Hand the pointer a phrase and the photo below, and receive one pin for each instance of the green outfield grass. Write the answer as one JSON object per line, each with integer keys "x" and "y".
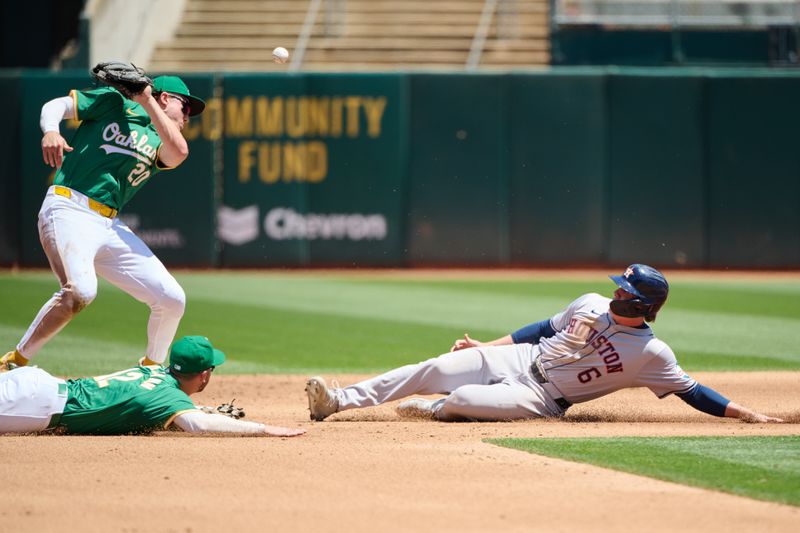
{"x": 300, "y": 322}
{"x": 764, "y": 468}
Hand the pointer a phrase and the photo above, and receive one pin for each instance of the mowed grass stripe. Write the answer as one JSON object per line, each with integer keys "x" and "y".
{"x": 407, "y": 302}
{"x": 764, "y": 468}
{"x": 111, "y": 334}
{"x": 294, "y": 341}
{"x": 702, "y": 339}
{"x": 534, "y": 295}
{"x": 287, "y": 322}
{"x": 735, "y": 302}
{"x": 693, "y": 334}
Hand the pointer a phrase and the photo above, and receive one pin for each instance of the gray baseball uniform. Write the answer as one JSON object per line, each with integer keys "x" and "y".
{"x": 588, "y": 357}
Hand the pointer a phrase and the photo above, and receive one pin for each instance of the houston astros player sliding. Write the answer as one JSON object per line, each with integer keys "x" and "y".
{"x": 592, "y": 348}
{"x": 120, "y": 144}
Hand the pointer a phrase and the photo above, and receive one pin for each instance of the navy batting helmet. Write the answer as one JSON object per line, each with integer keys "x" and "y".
{"x": 648, "y": 285}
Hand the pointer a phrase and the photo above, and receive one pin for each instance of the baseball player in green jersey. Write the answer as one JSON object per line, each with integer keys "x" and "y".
{"x": 120, "y": 145}
{"x": 136, "y": 400}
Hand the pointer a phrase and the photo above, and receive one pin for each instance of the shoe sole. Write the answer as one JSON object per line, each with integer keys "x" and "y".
{"x": 313, "y": 388}
{"x": 415, "y": 414}
{"x": 413, "y": 411}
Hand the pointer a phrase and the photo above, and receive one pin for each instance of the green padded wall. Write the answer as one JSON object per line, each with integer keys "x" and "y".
{"x": 314, "y": 169}
{"x": 458, "y": 199}
{"x": 656, "y": 208}
{"x": 754, "y": 170}
{"x": 566, "y": 166}
{"x": 557, "y": 165}
{"x": 10, "y": 150}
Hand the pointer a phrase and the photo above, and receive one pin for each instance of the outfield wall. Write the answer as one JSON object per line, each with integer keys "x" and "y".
{"x": 594, "y": 166}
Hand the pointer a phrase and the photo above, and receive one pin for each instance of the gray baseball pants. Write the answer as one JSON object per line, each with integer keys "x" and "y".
{"x": 487, "y": 384}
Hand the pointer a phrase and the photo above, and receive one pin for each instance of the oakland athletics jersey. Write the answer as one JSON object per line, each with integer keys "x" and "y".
{"x": 135, "y": 400}
{"x": 591, "y": 355}
{"x": 115, "y": 150}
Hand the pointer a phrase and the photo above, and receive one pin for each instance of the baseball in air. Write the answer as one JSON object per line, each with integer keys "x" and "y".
{"x": 280, "y": 55}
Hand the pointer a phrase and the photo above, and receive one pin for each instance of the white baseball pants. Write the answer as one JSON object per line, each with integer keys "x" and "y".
{"x": 489, "y": 383}
{"x": 80, "y": 244}
{"x": 29, "y": 396}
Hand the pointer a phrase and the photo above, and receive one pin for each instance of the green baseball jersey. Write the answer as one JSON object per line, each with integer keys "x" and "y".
{"x": 115, "y": 150}
{"x": 135, "y": 400}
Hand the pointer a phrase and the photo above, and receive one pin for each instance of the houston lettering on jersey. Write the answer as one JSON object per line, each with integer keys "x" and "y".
{"x": 600, "y": 343}
{"x": 606, "y": 350}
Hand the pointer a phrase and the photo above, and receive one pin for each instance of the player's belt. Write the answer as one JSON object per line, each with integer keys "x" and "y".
{"x": 94, "y": 205}
{"x": 538, "y": 373}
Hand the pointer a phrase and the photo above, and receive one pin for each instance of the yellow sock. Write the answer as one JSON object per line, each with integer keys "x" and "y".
{"x": 16, "y": 358}
{"x": 146, "y": 361}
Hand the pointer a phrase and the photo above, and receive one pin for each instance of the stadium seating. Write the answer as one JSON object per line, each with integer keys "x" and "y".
{"x": 356, "y": 35}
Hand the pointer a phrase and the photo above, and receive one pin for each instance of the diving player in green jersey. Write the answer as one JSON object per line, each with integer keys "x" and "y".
{"x": 135, "y": 400}
{"x": 120, "y": 145}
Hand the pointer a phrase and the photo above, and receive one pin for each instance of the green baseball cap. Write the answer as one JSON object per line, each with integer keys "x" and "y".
{"x": 193, "y": 354}
{"x": 175, "y": 85}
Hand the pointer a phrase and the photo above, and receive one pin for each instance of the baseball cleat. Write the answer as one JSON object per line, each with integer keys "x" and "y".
{"x": 416, "y": 408}
{"x": 7, "y": 363}
{"x": 322, "y": 401}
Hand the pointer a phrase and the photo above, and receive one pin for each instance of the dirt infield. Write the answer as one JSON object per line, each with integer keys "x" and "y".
{"x": 368, "y": 470}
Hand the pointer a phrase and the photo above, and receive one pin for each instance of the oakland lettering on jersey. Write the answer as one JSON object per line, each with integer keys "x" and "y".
{"x": 138, "y": 147}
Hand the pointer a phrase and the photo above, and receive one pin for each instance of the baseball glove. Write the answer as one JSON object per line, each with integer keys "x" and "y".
{"x": 227, "y": 409}
{"x": 127, "y": 78}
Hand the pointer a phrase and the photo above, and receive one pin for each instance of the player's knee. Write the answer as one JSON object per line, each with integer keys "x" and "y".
{"x": 78, "y": 296}
{"x": 439, "y": 370}
{"x": 173, "y": 300}
{"x": 458, "y": 400}
{"x": 455, "y": 407}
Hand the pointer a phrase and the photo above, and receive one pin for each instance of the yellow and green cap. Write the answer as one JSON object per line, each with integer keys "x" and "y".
{"x": 193, "y": 354}
{"x": 175, "y": 85}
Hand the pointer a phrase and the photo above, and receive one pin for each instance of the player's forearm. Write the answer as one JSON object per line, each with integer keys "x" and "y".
{"x": 174, "y": 148}
{"x": 532, "y": 333}
{"x": 54, "y": 111}
{"x": 705, "y": 399}
{"x": 710, "y": 401}
{"x": 734, "y": 410}
{"x": 200, "y": 422}
{"x": 502, "y": 341}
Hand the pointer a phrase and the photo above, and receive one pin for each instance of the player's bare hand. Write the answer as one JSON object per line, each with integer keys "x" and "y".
{"x": 278, "y": 431}
{"x": 758, "y": 418}
{"x": 464, "y": 343}
{"x": 143, "y": 96}
{"x": 53, "y": 148}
